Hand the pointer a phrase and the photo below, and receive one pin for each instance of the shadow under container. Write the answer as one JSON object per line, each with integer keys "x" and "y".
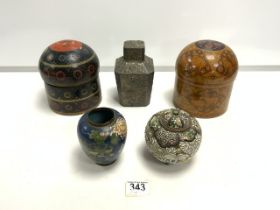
{"x": 205, "y": 72}
{"x": 70, "y": 70}
{"x": 102, "y": 134}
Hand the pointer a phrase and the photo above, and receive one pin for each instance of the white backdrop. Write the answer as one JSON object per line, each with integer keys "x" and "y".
{"x": 250, "y": 27}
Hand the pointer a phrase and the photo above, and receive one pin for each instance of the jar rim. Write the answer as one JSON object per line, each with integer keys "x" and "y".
{"x": 101, "y": 116}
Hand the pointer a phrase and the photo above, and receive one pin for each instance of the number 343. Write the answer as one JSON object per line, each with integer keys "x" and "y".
{"x": 138, "y": 186}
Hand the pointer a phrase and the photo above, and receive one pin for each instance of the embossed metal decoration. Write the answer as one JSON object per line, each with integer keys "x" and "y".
{"x": 173, "y": 136}
{"x": 70, "y": 71}
{"x": 205, "y": 72}
{"x": 102, "y": 134}
{"x": 134, "y": 73}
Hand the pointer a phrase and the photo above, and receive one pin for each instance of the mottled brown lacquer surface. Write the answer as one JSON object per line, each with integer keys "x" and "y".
{"x": 205, "y": 71}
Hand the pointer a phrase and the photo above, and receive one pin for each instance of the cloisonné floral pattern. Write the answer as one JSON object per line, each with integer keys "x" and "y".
{"x": 103, "y": 144}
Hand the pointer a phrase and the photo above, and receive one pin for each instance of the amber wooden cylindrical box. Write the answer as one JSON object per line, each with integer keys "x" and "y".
{"x": 70, "y": 70}
{"x": 205, "y": 72}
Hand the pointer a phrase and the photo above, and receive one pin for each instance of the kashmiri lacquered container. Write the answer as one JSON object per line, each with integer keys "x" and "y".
{"x": 205, "y": 72}
{"x": 102, "y": 134}
{"x": 70, "y": 71}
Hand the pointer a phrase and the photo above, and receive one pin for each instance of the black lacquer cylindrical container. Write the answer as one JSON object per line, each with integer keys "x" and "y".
{"x": 70, "y": 70}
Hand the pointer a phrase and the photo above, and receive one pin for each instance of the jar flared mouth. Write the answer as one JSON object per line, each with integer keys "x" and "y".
{"x": 101, "y": 116}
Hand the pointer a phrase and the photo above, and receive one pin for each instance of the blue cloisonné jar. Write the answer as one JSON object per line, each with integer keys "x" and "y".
{"x": 102, "y": 134}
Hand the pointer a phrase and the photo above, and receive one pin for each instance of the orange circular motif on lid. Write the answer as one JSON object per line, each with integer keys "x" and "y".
{"x": 66, "y": 45}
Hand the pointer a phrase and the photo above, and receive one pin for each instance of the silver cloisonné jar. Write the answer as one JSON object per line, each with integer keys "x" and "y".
{"x": 173, "y": 136}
